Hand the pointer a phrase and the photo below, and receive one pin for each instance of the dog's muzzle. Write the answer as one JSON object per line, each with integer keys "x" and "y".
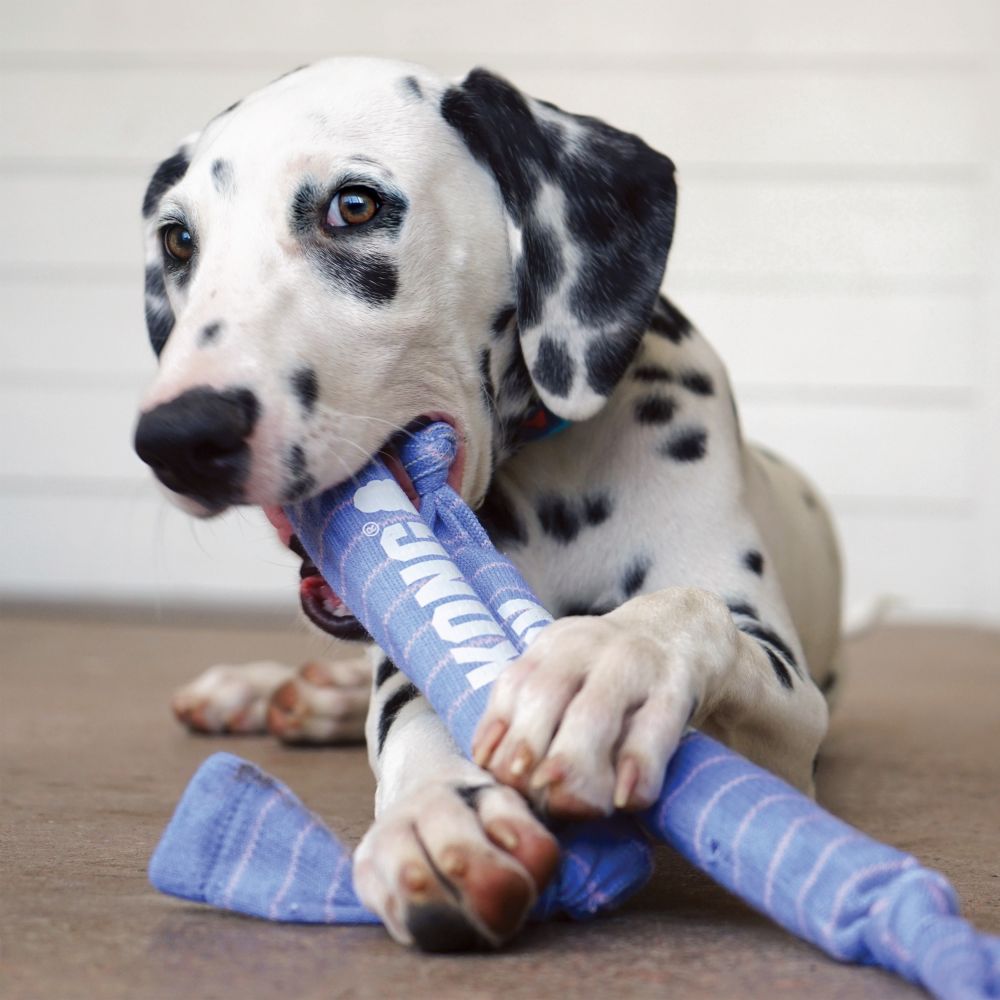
{"x": 196, "y": 444}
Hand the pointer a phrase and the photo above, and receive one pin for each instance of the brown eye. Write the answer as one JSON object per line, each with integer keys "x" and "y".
{"x": 352, "y": 206}
{"x": 178, "y": 243}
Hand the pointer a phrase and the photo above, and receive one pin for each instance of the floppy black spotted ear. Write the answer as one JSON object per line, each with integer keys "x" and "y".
{"x": 159, "y": 315}
{"x": 591, "y": 216}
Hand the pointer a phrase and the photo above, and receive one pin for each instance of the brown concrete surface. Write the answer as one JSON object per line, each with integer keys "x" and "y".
{"x": 93, "y": 763}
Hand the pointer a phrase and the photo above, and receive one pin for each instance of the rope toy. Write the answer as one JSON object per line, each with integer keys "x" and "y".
{"x": 431, "y": 584}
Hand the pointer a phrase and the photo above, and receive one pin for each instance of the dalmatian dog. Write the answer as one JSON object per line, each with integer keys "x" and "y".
{"x": 361, "y": 247}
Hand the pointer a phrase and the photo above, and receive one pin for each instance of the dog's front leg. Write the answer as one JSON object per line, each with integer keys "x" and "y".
{"x": 454, "y": 860}
{"x": 588, "y": 718}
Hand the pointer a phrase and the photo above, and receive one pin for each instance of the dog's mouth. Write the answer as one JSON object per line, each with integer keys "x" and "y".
{"x": 320, "y": 604}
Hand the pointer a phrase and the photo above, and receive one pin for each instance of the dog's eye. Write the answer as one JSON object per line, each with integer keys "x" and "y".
{"x": 351, "y": 206}
{"x": 178, "y": 243}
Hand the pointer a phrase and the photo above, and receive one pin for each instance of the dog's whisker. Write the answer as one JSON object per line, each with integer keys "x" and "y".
{"x": 354, "y": 415}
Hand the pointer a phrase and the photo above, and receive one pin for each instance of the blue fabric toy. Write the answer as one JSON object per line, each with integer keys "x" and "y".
{"x": 431, "y": 583}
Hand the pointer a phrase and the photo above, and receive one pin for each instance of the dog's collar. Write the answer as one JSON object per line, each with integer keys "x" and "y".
{"x": 540, "y": 423}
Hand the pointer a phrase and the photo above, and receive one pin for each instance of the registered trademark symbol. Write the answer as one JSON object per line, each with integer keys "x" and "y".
{"x": 371, "y": 529}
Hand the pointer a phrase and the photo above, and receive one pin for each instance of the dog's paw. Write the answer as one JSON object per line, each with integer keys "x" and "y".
{"x": 455, "y": 868}
{"x": 230, "y": 699}
{"x": 587, "y": 719}
{"x": 325, "y": 702}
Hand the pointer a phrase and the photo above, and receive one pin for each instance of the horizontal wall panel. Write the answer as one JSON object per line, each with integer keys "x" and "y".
{"x": 138, "y": 546}
{"x": 92, "y": 222}
{"x": 302, "y": 28}
{"x": 916, "y": 452}
{"x": 852, "y": 229}
{"x": 850, "y": 450}
{"x": 74, "y": 328}
{"x": 909, "y": 564}
{"x": 823, "y": 339}
{"x": 855, "y": 119}
{"x": 747, "y": 227}
{"x": 68, "y": 432}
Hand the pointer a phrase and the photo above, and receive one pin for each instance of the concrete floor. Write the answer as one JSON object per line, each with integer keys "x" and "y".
{"x": 93, "y": 763}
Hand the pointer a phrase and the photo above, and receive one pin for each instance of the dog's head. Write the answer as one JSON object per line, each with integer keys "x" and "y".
{"x": 360, "y": 246}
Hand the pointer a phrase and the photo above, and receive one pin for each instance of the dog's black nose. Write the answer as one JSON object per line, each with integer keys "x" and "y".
{"x": 197, "y": 443}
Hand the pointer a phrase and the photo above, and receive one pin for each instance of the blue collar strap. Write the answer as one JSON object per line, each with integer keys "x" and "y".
{"x": 540, "y": 423}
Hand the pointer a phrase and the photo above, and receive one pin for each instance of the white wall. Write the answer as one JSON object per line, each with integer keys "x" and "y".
{"x": 837, "y": 239}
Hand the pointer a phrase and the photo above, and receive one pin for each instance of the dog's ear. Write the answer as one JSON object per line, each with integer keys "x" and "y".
{"x": 590, "y": 213}
{"x": 159, "y": 315}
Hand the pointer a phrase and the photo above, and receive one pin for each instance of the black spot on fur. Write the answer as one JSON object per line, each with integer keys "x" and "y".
{"x": 577, "y": 608}
{"x": 501, "y": 321}
{"x": 500, "y": 520}
{"x": 563, "y": 520}
{"x": 538, "y": 271}
{"x": 210, "y": 333}
{"x": 159, "y": 315}
{"x": 166, "y": 175}
{"x": 301, "y": 481}
{"x": 412, "y": 86}
{"x": 652, "y": 373}
{"x": 607, "y": 358}
{"x": 596, "y": 508}
{"x": 769, "y": 636}
{"x": 754, "y": 561}
{"x": 780, "y": 670}
{"x": 372, "y": 277}
{"x": 810, "y": 501}
{"x": 305, "y": 385}
{"x": 668, "y": 321}
{"x": 698, "y": 383}
{"x": 159, "y": 323}
{"x": 222, "y": 176}
{"x": 386, "y": 670}
{"x": 494, "y": 120}
{"x": 655, "y": 409}
{"x": 486, "y": 379}
{"x": 688, "y": 445}
{"x": 743, "y": 608}
{"x": 558, "y": 519}
{"x": 829, "y": 683}
{"x": 635, "y": 576}
{"x": 553, "y": 369}
{"x": 394, "y": 704}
